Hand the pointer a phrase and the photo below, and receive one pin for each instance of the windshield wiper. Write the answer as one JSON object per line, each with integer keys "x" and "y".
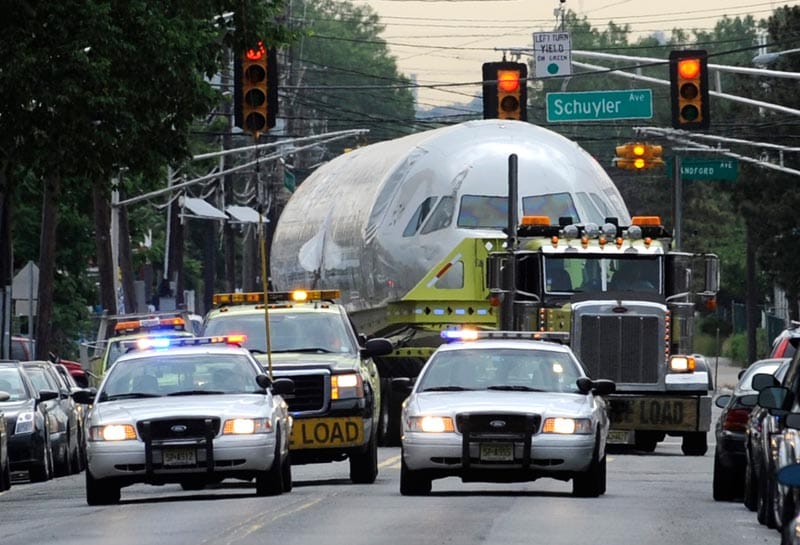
{"x": 514, "y": 388}
{"x": 132, "y": 395}
{"x": 447, "y": 389}
{"x": 195, "y": 392}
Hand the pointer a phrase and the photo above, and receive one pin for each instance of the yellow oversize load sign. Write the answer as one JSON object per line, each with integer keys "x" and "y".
{"x": 327, "y": 432}
{"x": 654, "y": 413}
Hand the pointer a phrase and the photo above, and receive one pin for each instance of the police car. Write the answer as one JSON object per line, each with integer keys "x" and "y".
{"x": 336, "y": 406}
{"x": 192, "y": 411}
{"x": 133, "y": 327}
{"x": 502, "y": 407}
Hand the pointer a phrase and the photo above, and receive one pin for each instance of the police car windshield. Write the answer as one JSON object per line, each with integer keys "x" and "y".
{"x": 503, "y": 369}
{"x": 289, "y": 331}
{"x": 160, "y": 375}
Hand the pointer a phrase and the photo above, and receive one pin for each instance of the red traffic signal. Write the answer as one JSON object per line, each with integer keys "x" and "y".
{"x": 256, "y": 89}
{"x": 689, "y": 93}
{"x": 505, "y": 90}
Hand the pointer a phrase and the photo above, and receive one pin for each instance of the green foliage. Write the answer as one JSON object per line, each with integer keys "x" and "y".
{"x": 735, "y": 347}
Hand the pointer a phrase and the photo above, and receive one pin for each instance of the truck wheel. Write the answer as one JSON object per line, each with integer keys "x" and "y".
{"x": 394, "y": 408}
{"x": 646, "y": 441}
{"x": 364, "y": 465}
{"x": 694, "y": 444}
{"x": 413, "y": 483}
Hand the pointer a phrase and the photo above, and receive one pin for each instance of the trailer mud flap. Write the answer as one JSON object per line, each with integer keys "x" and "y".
{"x": 658, "y": 413}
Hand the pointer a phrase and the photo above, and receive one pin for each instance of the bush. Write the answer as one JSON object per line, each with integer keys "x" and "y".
{"x": 735, "y": 347}
{"x": 708, "y": 325}
{"x": 706, "y": 345}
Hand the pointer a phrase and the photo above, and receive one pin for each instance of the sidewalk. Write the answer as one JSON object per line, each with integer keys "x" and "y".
{"x": 724, "y": 372}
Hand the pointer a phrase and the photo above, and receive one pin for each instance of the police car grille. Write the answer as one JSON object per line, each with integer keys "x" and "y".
{"x": 178, "y": 428}
{"x": 309, "y": 393}
{"x": 497, "y": 424}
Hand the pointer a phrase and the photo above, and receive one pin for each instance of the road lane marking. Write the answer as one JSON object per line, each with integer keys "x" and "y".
{"x": 250, "y": 526}
{"x": 392, "y": 462}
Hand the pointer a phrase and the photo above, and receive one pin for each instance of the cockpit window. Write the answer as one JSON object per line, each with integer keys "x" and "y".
{"x": 554, "y": 205}
{"x": 441, "y": 217}
{"x": 419, "y": 217}
{"x": 593, "y": 213}
{"x": 482, "y": 211}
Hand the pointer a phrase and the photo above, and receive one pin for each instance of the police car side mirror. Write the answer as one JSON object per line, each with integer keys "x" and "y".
{"x": 792, "y": 420}
{"x": 84, "y": 395}
{"x": 263, "y": 381}
{"x": 600, "y": 387}
{"x": 4, "y": 396}
{"x": 283, "y": 386}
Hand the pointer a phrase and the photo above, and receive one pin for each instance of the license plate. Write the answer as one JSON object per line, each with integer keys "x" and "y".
{"x": 179, "y": 457}
{"x": 654, "y": 413}
{"x": 497, "y": 452}
{"x": 327, "y": 432}
{"x": 619, "y": 437}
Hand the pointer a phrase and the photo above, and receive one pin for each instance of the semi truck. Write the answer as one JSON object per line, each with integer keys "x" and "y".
{"x": 411, "y": 232}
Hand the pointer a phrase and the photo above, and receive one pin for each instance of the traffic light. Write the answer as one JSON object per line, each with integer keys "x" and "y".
{"x": 505, "y": 90}
{"x": 255, "y": 78}
{"x": 688, "y": 78}
{"x": 638, "y": 156}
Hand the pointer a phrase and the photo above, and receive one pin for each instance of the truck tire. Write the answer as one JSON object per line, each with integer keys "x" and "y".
{"x": 694, "y": 443}
{"x": 646, "y": 441}
{"x": 364, "y": 464}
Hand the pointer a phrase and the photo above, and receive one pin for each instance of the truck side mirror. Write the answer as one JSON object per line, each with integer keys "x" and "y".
{"x": 712, "y": 273}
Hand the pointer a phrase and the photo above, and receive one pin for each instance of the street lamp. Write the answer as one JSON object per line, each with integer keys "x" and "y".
{"x": 765, "y": 59}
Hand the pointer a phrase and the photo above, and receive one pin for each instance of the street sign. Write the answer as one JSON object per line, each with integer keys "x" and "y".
{"x": 701, "y": 168}
{"x": 552, "y": 54}
{"x": 600, "y": 105}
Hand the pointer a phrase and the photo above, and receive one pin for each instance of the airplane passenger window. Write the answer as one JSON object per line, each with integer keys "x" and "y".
{"x": 441, "y": 217}
{"x": 483, "y": 211}
{"x": 419, "y": 217}
{"x": 554, "y": 205}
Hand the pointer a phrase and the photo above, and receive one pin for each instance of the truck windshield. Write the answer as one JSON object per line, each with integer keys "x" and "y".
{"x": 597, "y": 273}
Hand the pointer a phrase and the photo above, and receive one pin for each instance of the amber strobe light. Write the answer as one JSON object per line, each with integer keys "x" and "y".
{"x": 688, "y": 76}
{"x": 505, "y": 93}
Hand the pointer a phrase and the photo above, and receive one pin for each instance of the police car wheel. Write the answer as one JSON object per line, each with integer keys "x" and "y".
{"x": 413, "y": 483}
{"x": 270, "y": 482}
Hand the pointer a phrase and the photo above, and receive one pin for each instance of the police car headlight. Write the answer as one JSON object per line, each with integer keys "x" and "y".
{"x": 431, "y": 424}
{"x": 246, "y": 426}
{"x": 24, "y": 423}
{"x": 567, "y": 426}
{"x": 347, "y": 386}
{"x": 112, "y": 432}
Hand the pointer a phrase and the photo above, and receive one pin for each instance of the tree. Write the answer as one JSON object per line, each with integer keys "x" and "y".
{"x": 114, "y": 84}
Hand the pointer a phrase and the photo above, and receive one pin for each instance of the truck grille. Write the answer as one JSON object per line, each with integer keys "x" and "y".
{"x": 309, "y": 393}
{"x": 623, "y": 348}
{"x": 177, "y": 428}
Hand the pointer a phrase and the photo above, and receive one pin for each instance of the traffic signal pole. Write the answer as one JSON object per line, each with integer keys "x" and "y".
{"x": 677, "y": 208}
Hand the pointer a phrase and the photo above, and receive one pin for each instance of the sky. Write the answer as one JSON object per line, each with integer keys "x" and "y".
{"x": 447, "y": 41}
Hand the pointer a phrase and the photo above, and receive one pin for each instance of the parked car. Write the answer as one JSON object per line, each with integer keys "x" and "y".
{"x": 27, "y": 421}
{"x": 65, "y": 434}
{"x": 505, "y": 408}
{"x": 730, "y": 430}
{"x": 789, "y": 476}
{"x": 24, "y": 349}
{"x": 761, "y": 436}
{"x": 69, "y": 383}
{"x": 782, "y": 346}
{"x": 5, "y": 462}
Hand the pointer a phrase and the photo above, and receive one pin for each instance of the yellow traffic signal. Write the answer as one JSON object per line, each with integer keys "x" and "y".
{"x": 689, "y": 93}
{"x": 256, "y": 90}
{"x": 638, "y": 156}
{"x": 505, "y": 90}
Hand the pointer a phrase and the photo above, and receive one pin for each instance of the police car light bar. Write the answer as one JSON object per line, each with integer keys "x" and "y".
{"x": 153, "y": 343}
{"x": 472, "y": 335}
